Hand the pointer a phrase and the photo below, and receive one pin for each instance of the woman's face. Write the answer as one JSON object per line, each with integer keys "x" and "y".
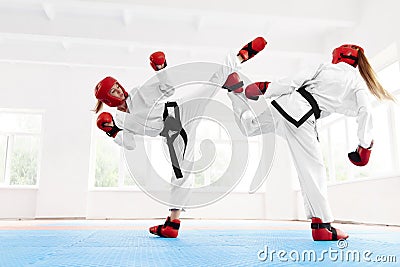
{"x": 117, "y": 92}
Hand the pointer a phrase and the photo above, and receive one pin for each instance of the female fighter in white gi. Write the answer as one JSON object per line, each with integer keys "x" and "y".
{"x": 332, "y": 88}
{"x": 142, "y": 113}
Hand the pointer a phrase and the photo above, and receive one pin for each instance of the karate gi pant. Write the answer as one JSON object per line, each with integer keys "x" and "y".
{"x": 304, "y": 146}
{"x": 181, "y": 188}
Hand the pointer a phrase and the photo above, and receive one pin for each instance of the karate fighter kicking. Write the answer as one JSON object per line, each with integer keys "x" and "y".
{"x": 343, "y": 87}
{"x": 143, "y": 111}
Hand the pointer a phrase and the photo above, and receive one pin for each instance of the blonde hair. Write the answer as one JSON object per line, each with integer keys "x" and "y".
{"x": 370, "y": 79}
{"x": 98, "y": 107}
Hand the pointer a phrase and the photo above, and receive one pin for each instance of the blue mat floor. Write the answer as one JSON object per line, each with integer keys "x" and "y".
{"x": 30, "y": 246}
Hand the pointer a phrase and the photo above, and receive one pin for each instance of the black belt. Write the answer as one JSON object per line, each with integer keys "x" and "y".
{"x": 173, "y": 124}
{"x": 310, "y": 99}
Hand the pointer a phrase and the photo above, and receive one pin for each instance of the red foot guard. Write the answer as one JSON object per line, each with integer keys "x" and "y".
{"x": 325, "y": 232}
{"x": 252, "y": 48}
{"x": 158, "y": 61}
{"x": 233, "y": 83}
{"x": 169, "y": 229}
{"x": 254, "y": 90}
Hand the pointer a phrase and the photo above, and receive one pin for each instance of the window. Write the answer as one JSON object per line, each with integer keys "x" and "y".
{"x": 327, "y": 154}
{"x": 20, "y": 137}
{"x": 3, "y": 157}
{"x": 381, "y": 161}
{"x": 211, "y": 130}
{"x": 110, "y": 170}
{"x": 395, "y": 108}
{"x": 107, "y": 162}
{"x": 110, "y": 167}
{"x": 389, "y": 77}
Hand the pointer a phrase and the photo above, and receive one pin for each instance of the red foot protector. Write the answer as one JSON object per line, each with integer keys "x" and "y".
{"x": 158, "y": 59}
{"x": 169, "y": 229}
{"x": 325, "y": 232}
{"x": 254, "y": 90}
{"x": 252, "y": 48}
{"x": 233, "y": 83}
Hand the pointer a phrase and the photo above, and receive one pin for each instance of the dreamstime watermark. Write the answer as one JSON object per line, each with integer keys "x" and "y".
{"x": 341, "y": 253}
{"x": 193, "y": 87}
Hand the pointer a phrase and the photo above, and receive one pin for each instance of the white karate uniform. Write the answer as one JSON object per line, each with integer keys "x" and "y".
{"x": 145, "y": 117}
{"x": 337, "y": 88}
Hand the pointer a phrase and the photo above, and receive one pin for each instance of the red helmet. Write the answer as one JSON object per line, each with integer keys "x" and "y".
{"x": 346, "y": 53}
{"x": 102, "y": 92}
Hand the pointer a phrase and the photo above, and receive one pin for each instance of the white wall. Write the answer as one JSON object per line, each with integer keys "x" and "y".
{"x": 365, "y": 201}
{"x": 136, "y": 205}
{"x": 375, "y": 31}
{"x": 371, "y": 201}
{"x": 17, "y": 203}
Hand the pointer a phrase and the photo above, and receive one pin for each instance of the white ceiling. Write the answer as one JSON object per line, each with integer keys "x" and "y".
{"x": 122, "y": 33}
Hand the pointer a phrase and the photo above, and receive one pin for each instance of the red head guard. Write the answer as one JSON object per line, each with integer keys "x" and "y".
{"x": 102, "y": 92}
{"x": 346, "y": 53}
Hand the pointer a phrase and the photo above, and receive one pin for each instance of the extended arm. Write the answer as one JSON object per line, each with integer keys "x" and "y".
{"x": 361, "y": 155}
{"x": 151, "y": 126}
{"x": 105, "y": 122}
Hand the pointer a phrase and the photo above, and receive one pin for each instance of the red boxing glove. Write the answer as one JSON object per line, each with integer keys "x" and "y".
{"x": 110, "y": 129}
{"x": 233, "y": 83}
{"x": 254, "y": 90}
{"x": 360, "y": 157}
{"x": 158, "y": 59}
{"x": 252, "y": 48}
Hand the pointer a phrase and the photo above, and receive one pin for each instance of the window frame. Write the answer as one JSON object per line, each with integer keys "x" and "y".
{"x": 96, "y": 136}
{"x": 10, "y": 136}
